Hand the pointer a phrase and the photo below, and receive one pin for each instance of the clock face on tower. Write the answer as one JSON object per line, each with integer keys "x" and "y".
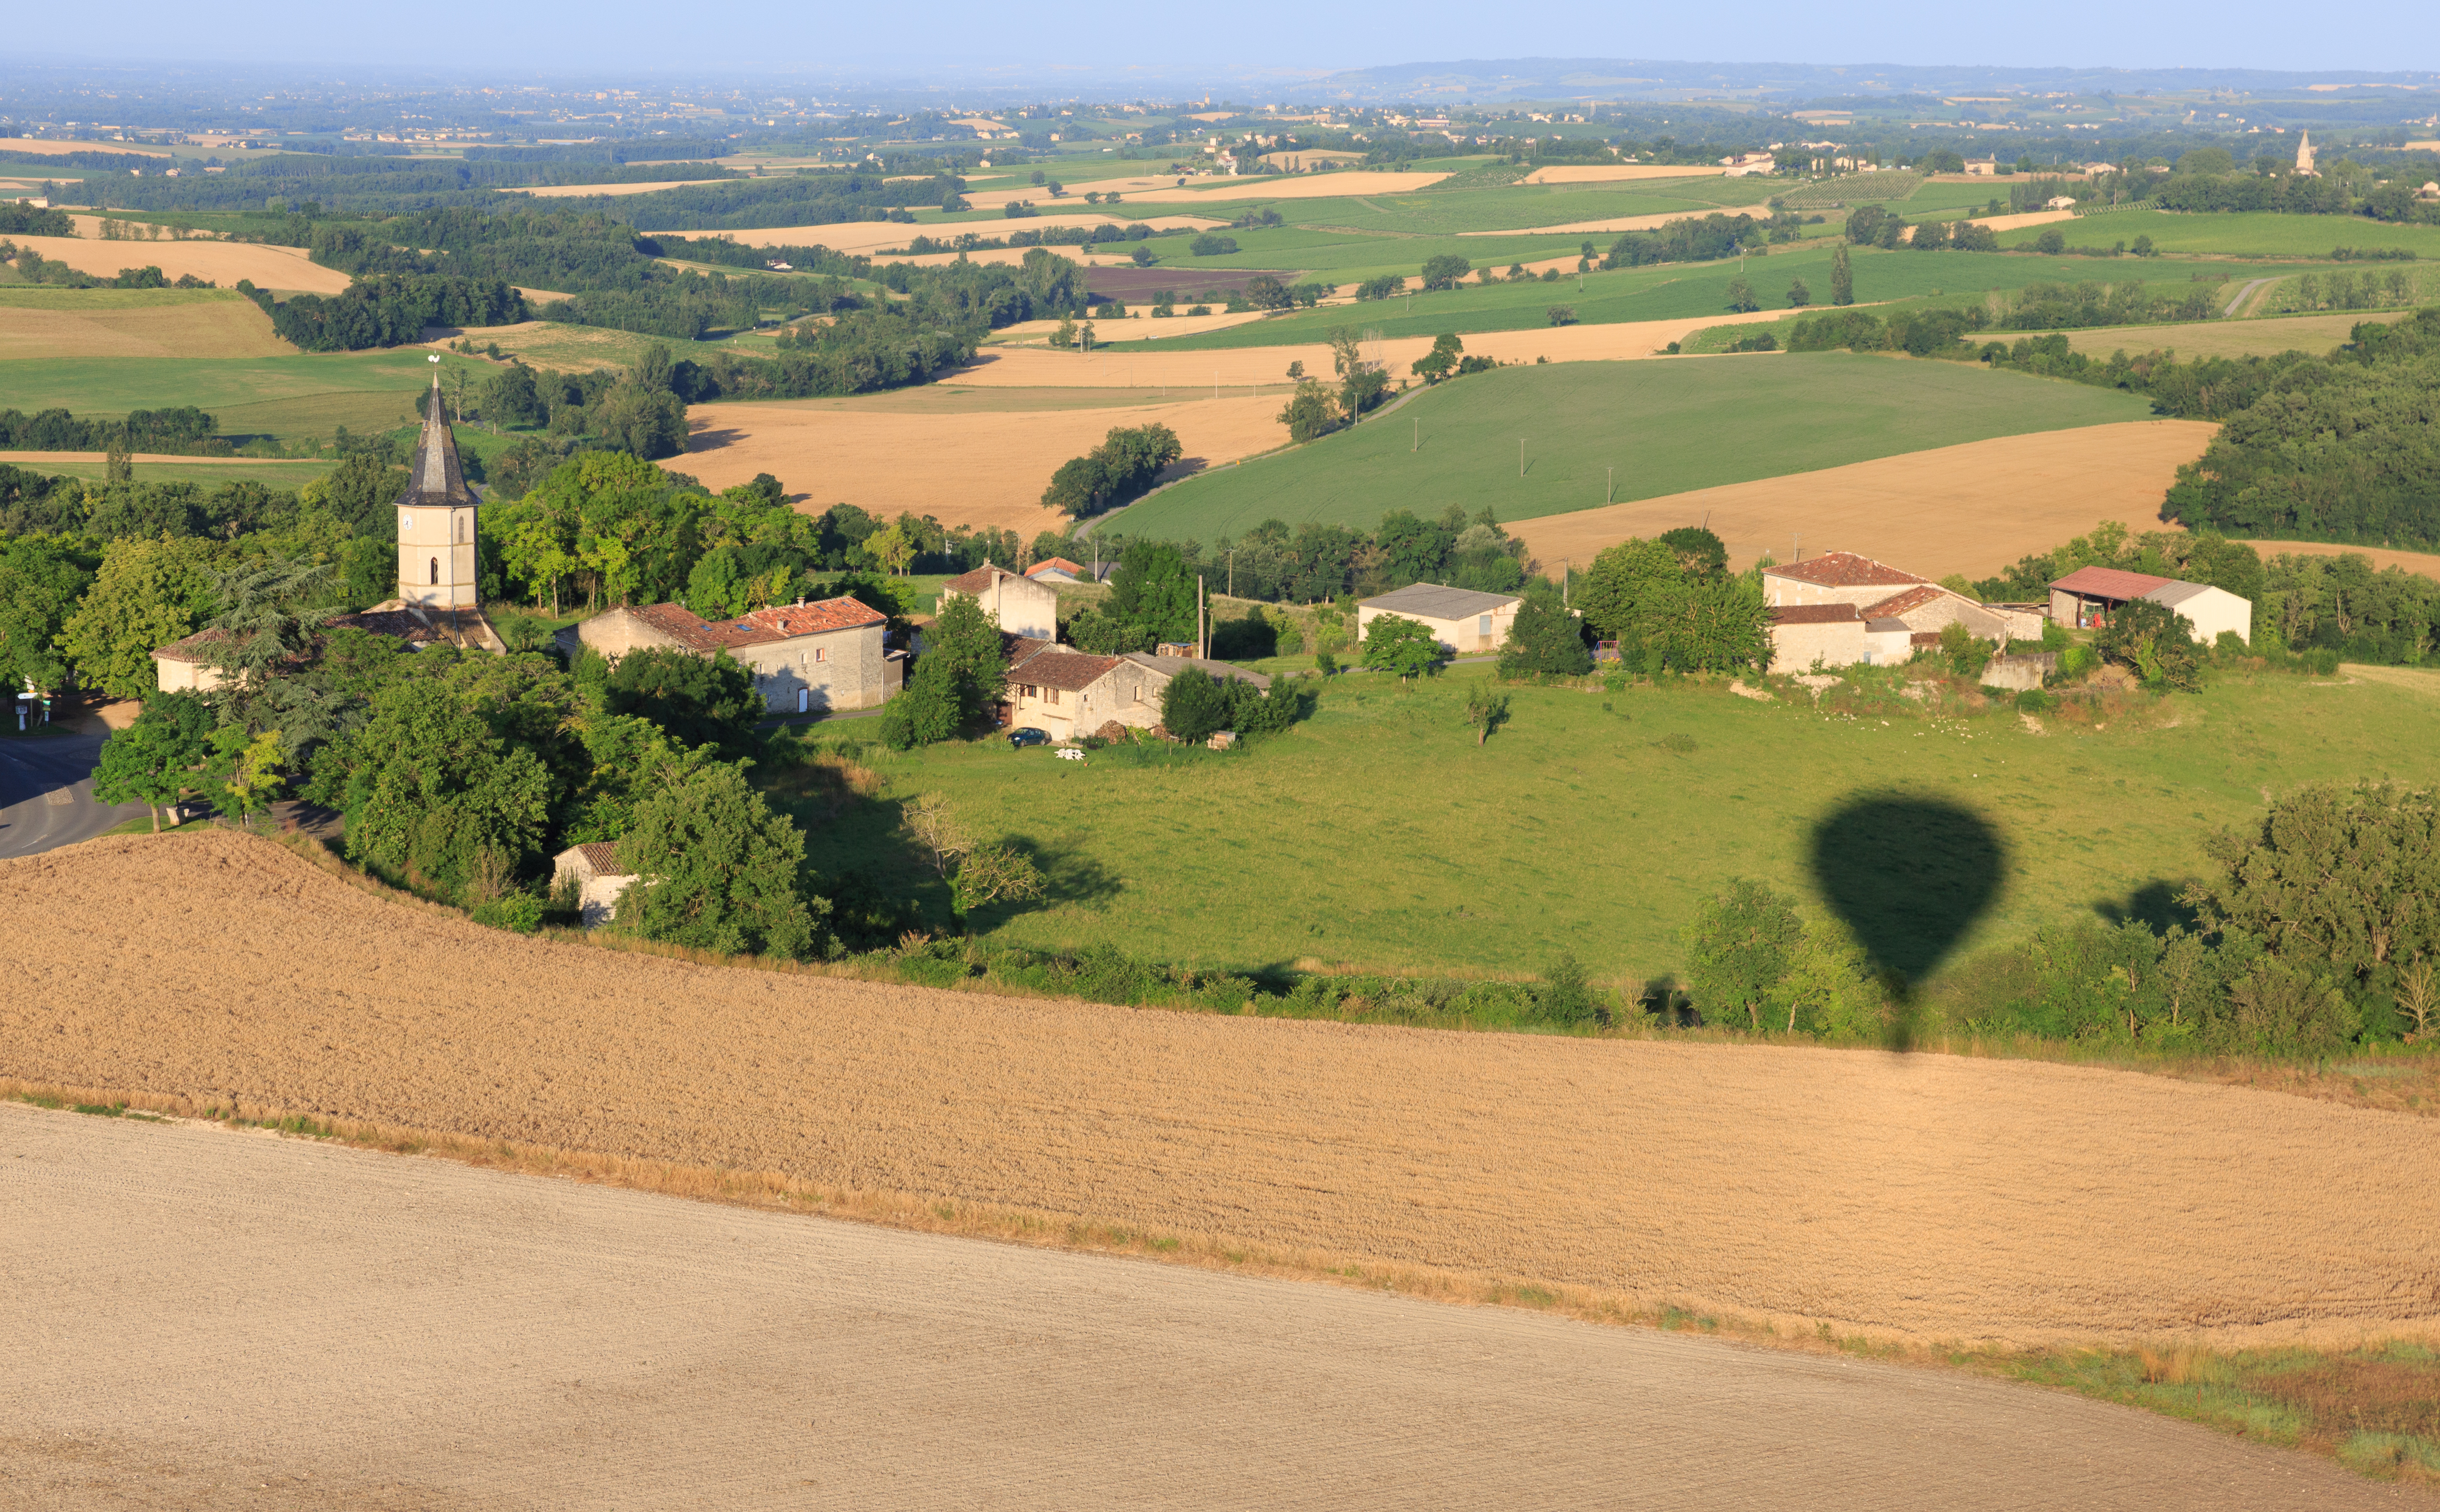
{"x": 406, "y": 522}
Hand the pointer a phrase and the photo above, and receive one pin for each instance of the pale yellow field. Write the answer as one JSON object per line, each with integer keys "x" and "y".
{"x": 56, "y": 149}
{"x": 1034, "y": 366}
{"x": 2006, "y": 223}
{"x": 1609, "y": 172}
{"x": 283, "y": 268}
{"x": 39, "y": 328}
{"x": 1625, "y": 223}
{"x": 1135, "y": 327}
{"x": 1161, "y": 190}
{"x": 549, "y": 344}
{"x": 1953, "y": 509}
{"x": 562, "y": 191}
{"x": 964, "y": 467}
{"x": 850, "y": 238}
{"x": 2315, "y": 334}
{"x": 2422, "y": 561}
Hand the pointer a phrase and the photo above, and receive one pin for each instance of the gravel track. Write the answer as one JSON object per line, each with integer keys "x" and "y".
{"x": 1927, "y": 1194}
{"x": 204, "y": 1319}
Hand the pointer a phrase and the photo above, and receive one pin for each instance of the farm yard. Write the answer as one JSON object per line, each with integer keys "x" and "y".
{"x": 1666, "y": 426}
{"x": 1790, "y": 1186}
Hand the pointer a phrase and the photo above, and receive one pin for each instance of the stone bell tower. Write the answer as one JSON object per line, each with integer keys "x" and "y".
{"x": 437, "y": 563}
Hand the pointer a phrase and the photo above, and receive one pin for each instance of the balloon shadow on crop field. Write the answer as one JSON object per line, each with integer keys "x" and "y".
{"x": 1910, "y": 876}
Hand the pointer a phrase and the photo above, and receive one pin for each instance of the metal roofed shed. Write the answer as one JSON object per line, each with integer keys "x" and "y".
{"x": 2086, "y": 597}
{"x": 1465, "y": 620}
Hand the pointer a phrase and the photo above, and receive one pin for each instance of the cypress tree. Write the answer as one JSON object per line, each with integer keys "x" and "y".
{"x": 1842, "y": 278}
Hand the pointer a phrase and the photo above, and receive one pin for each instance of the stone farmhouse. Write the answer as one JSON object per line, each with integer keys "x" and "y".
{"x": 1839, "y": 609}
{"x": 806, "y": 658}
{"x": 1019, "y": 605}
{"x": 1066, "y": 693}
{"x": 2088, "y": 596}
{"x": 1467, "y": 622}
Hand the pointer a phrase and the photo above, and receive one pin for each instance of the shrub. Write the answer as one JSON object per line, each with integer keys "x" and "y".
{"x": 1562, "y": 315}
{"x": 1740, "y": 947}
{"x": 1208, "y": 245}
{"x": 1193, "y": 706}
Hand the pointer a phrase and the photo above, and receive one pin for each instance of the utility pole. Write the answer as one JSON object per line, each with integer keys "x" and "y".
{"x": 1232, "y": 574}
{"x": 1609, "y": 485}
{"x": 1201, "y": 639}
{"x": 1520, "y": 457}
{"x": 1418, "y": 444}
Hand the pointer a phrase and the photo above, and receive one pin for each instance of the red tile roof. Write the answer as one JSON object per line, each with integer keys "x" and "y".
{"x": 1843, "y": 570}
{"x": 1815, "y": 614}
{"x": 1906, "y": 603}
{"x": 1069, "y": 671}
{"x": 762, "y": 627}
{"x": 2109, "y": 582}
{"x": 979, "y": 579}
{"x": 1074, "y": 569}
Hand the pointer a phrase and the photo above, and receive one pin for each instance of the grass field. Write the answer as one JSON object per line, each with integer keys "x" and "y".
{"x": 2315, "y": 334}
{"x": 1673, "y": 291}
{"x": 50, "y": 324}
{"x": 287, "y": 397}
{"x": 1666, "y": 426}
{"x": 1378, "y": 834}
{"x": 2241, "y": 235}
{"x": 207, "y": 472}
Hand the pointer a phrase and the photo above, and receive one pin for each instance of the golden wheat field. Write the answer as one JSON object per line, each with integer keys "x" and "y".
{"x": 963, "y": 466}
{"x": 1618, "y": 222}
{"x": 53, "y": 324}
{"x": 849, "y": 238}
{"x": 283, "y": 268}
{"x": 1953, "y": 508}
{"x": 1923, "y": 1194}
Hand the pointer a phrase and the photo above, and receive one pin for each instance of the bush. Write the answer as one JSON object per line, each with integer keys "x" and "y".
{"x": 1562, "y": 315}
{"x": 1208, "y": 245}
{"x": 1195, "y": 704}
{"x": 2035, "y": 701}
{"x": 1740, "y": 947}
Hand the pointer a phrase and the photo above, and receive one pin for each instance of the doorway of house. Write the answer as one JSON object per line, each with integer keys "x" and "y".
{"x": 804, "y": 699}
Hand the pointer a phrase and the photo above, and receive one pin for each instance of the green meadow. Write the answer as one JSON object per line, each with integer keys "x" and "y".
{"x": 1379, "y": 834}
{"x": 275, "y": 475}
{"x": 286, "y": 397}
{"x": 1672, "y": 291}
{"x": 2240, "y": 234}
{"x": 1665, "y": 425}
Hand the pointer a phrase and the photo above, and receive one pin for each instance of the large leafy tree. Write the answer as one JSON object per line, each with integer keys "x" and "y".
{"x": 41, "y": 580}
{"x": 1194, "y": 705}
{"x": 2153, "y": 639}
{"x": 1397, "y": 644}
{"x": 698, "y": 700}
{"x": 1154, "y": 592}
{"x": 1545, "y": 637}
{"x": 157, "y": 760}
{"x": 1740, "y": 947}
{"x": 147, "y": 594}
{"x": 719, "y": 871}
{"x": 269, "y": 612}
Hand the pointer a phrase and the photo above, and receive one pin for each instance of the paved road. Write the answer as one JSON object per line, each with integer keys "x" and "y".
{"x": 198, "y": 1317}
{"x": 46, "y": 792}
{"x": 2244, "y": 293}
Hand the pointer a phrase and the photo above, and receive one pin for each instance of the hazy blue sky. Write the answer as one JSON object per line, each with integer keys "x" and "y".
{"x": 1188, "y": 44}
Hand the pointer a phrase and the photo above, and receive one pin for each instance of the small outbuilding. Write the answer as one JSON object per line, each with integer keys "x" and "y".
{"x": 1467, "y": 622}
{"x": 599, "y": 879}
{"x": 1019, "y": 605}
{"x": 2085, "y": 598}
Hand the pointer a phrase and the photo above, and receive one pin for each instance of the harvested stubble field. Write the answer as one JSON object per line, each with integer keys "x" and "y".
{"x": 849, "y": 238}
{"x": 282, "y": 268}
{"x": 1922, "y": 1196}
{"x": 47, "y": 324}
{"x": 1953, "y": 508}
{"x": 961, "y": 466}
{"x": 2314, "y": 334}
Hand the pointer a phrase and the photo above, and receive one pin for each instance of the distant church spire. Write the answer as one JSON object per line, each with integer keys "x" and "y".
{"x": 2305, "y": 154}
{"x": 434, "y": 480}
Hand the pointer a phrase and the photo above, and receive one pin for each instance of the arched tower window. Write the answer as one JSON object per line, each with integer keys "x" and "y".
{"x": 462, "y": 530}
{"x": 436, "y": 573}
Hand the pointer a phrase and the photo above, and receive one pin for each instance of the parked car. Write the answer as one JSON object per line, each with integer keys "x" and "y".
{"x": 1019, "y": 739}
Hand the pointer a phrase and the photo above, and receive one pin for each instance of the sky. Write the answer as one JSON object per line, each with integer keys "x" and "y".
{"x": 1106, "y": 40}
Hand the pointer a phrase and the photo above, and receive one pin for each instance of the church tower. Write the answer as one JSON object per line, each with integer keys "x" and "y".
{"x": 436, "y": 521}
{"x": 2305, "y": 156}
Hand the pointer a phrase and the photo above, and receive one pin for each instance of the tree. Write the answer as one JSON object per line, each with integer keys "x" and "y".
{"x": 1122, "y": 468}
{"x": 1741, "y": 296}
{"x": 1931, "y": 236}
{"x": 1799, "y": 295}
{"x": 1153, "y": 591}
{"x": 1544, "y": 638}
{"x": 42, "y": 578}
{"x": 510, "y": 397}
{"x": 266, "y": 618}
{"x": 967, "y": 641}
{"x": 1441, "y": 361}
{"x": 1194, "y": 705}
{"x": 248, "y": 769}
{"x": 993, "y": 873}
{"x": 928, "y": 709}
{"x": 1407, "y": 647}
{"x": 717, "y": 869}
{"x": 1442, "y": 272}
{"x": 1486, "y": 710}
{"x": 1843, "y": 278}
{"x": 155, "y": 761}
{"x": 1309, "y": 414}
{"x": 1740, "y": 947}
{"x": 147, "y": 594}
{"x": 2153, "y": 639}
{"x": 699, "y": 700}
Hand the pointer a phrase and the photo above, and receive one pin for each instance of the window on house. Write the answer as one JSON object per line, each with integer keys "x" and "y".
{"x": 821, "y": 653}
{"x": 1482, "y": 627}
{"x": 436, "y": 573}
{"x": 1054, "y": 695}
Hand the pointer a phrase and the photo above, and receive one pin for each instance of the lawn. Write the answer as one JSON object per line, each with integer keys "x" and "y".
{"x": 1666, "y": 426}
{"x": 1379, "y": 834}
{"x": 1671, "y": 291}
{"x": 287, "y": 397}
{"x": 2237, "y": 234}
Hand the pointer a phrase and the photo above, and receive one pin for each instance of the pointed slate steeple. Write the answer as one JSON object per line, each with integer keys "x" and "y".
{"x": 434, "y": 480}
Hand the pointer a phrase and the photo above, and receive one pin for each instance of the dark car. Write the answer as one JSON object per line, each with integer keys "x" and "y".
{"x": 1019, "y": 739}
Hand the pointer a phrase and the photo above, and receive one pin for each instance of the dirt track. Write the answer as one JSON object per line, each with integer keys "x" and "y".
{"x": 203, "y": 1319}
{"x": 1973, "y": 508}
{"x": 972, "y": 469}
{"x": 1931, "y": 1195}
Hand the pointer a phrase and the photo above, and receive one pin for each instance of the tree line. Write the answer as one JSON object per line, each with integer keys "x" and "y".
{"x": 181, "y": 431}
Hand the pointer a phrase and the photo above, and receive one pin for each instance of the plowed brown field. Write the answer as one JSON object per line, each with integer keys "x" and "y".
{"x": 1953, "y": 509}
{"x": 1927, "y": 1194}
{"x": 961, "y": 467}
